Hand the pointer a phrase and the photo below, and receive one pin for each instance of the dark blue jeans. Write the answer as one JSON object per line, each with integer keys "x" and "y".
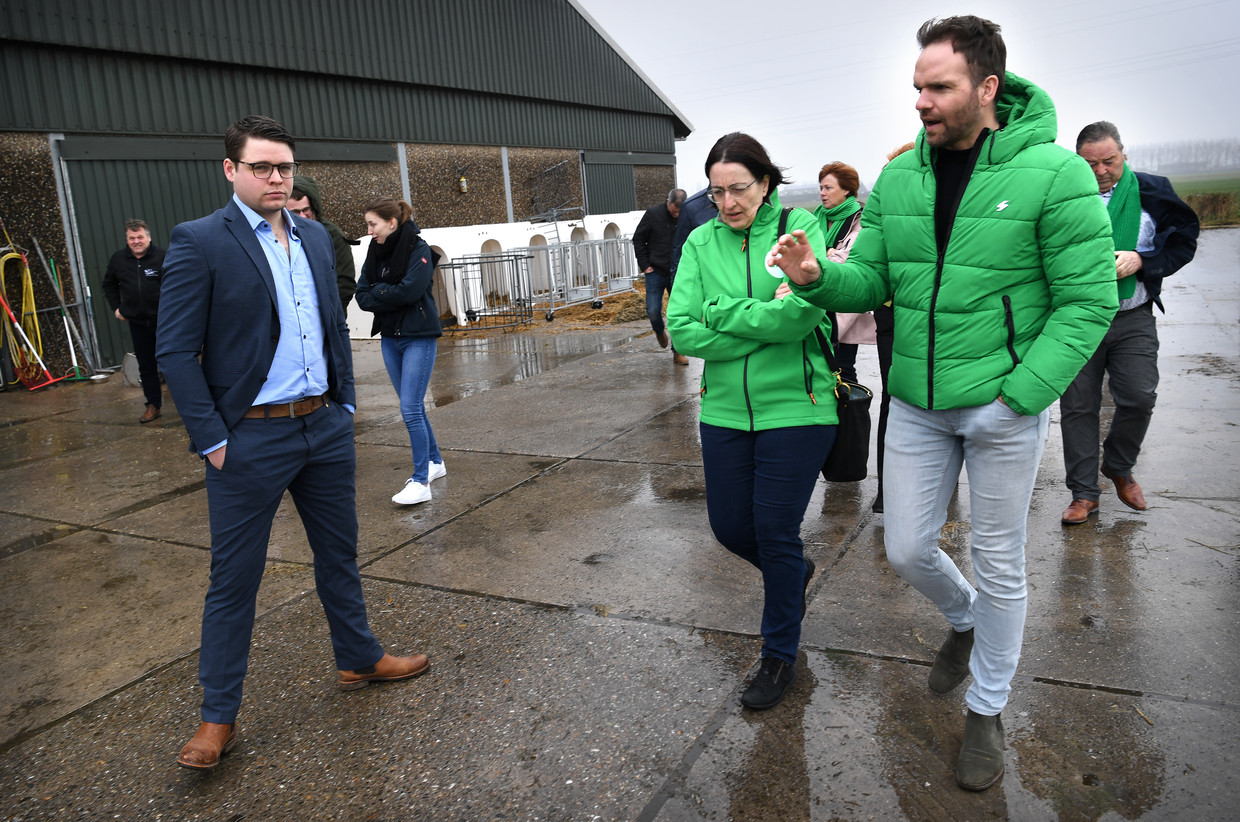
{"x": 656, "y": 286}
{"x": 758, "y": 485}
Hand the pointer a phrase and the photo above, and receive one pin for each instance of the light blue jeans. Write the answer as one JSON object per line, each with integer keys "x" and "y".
{"x": 1000, "y": 450}
{"x": 409, "y": 362}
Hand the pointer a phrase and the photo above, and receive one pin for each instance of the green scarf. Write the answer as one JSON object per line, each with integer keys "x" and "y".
{"x": 1124, "y": 209}
{"x": 833, "y": 218}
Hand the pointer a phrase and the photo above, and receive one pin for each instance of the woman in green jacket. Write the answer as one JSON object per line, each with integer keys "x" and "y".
{"x": 767, "y": 409}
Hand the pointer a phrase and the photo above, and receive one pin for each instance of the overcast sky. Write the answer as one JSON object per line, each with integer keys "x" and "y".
{"x": 821, "y": 81}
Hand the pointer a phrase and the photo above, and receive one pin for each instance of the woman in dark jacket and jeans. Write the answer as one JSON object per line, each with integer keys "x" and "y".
{"x": 396, "y": 286}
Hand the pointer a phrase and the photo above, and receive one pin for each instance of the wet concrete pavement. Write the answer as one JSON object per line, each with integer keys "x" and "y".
{"x": 589, "y": 640}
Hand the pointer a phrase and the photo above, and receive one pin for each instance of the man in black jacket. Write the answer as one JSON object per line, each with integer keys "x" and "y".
{"x": 307, "y": 201}
{"x": 696, "y": 211}
{"x": 652, "y": 243}
{"x": 131, "y": 286}
{"x": 1155, "y": 235}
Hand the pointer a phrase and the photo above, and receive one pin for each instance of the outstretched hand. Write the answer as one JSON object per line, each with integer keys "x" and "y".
{"x": 794, "y": 256}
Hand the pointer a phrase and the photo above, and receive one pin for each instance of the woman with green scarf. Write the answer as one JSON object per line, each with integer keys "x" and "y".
{"x": 839, "y": 217}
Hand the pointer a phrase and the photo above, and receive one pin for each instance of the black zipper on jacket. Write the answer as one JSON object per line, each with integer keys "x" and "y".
{"x": 748, "y": 273}
{"x": 145, "y": 310}
{"x": 1011, "y": 328}
{"x": 749, "y": 292}
{"x": 942, "y": 255}
{"x": 934, "y": 299}
{"x": 141, "y": 274}
{"x": 807, "y": 369}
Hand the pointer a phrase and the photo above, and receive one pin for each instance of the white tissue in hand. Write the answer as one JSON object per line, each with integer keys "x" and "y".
{"x": 773, "y": 269}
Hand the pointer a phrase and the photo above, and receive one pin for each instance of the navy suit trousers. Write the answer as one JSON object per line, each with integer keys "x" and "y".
{"x": 313, "y": 457}
{"x": 1128, "y": 355}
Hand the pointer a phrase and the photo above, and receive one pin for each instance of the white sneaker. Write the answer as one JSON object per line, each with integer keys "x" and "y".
{"x": 437, "y": 470}
{"x": 413, "y": 493}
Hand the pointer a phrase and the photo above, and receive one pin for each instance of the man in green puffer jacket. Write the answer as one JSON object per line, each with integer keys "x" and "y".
{"x": 997, "y": 254}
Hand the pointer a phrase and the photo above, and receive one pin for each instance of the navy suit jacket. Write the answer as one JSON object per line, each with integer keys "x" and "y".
{"x": 1175, "y": 233}
{"x": 218, "y": 325}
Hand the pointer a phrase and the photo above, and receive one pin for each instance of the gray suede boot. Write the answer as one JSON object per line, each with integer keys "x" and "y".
{"x": 980, "y": 763}
{"x": 951, "y": 666}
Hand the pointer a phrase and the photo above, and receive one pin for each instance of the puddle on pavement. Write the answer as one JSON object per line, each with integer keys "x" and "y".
{"x": 466, "y": 366}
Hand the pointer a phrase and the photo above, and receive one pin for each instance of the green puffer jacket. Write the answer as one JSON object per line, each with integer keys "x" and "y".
{"x": 764, "y": 367}
{"x": 1026, "y": 287}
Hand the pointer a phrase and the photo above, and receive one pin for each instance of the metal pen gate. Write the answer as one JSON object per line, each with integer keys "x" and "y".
{"x": 564, "y": 274}
{"x": 493, "y": 288}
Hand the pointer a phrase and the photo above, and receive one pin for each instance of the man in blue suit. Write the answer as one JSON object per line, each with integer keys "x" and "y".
{"x": 255, "y": 351}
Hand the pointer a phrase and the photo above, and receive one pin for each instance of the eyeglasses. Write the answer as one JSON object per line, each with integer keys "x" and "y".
{"x": 263, "y": 170}
{"x": 715, "y": 195}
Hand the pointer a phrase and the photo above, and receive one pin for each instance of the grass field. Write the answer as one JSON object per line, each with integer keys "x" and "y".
{"x": 1207, "y": 184}
{"x": 1215, "y": 197}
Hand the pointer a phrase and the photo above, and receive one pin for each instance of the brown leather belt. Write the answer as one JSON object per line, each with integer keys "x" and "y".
{"x": 287, "y": 409}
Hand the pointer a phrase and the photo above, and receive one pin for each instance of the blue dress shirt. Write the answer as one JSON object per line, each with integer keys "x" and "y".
{"x": 299, "y": 369}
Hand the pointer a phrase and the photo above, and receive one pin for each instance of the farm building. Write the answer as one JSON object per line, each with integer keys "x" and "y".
{"x": 475, "y": 111}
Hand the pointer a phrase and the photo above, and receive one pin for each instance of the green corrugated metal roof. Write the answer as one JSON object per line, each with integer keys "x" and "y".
{"x": 534, "y": 53}
{"x": 151, "y": 100}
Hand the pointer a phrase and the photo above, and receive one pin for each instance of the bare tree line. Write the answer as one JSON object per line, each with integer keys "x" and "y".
{"x": 1187, "y": 157}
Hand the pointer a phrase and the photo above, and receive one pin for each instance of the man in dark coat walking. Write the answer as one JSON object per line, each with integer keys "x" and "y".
{"x": 1155, "y": 235}
{"x": 131, "y": 286}
{"x": 652, "y": 243}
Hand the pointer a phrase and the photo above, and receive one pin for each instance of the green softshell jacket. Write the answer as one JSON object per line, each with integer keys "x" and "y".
{"x": 764, "y": 367}
{"x": 1025, "y": 288}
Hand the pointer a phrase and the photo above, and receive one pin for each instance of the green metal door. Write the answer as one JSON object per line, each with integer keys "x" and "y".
{"x": 107, "y": 192}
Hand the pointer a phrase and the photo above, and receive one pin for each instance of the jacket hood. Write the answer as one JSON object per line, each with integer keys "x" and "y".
{"x": 311, "y": 187}
{"x": 1026, "y": 116}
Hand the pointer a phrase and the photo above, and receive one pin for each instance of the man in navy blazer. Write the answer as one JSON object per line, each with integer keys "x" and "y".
{"x": 1160, "y": 240}
{"x": 255, "y": 351}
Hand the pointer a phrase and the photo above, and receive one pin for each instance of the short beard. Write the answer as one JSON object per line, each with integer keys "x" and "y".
{"x": 965, "y": 129}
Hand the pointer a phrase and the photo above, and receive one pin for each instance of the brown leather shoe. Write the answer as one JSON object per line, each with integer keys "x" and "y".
{"x": 388, "y": 669}
{"x": 661, "y": 336}
{"x": 1126, "y": 489}
{"x": 1079, "y": 511}
{"x": 680, "y": 359}
{"x": 213, "y": 740}
{"x": 151, "y": 413}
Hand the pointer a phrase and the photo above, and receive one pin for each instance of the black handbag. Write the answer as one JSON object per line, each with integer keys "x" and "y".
{"x": 850, "y": 454}
{"x": 851, "y": 451}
